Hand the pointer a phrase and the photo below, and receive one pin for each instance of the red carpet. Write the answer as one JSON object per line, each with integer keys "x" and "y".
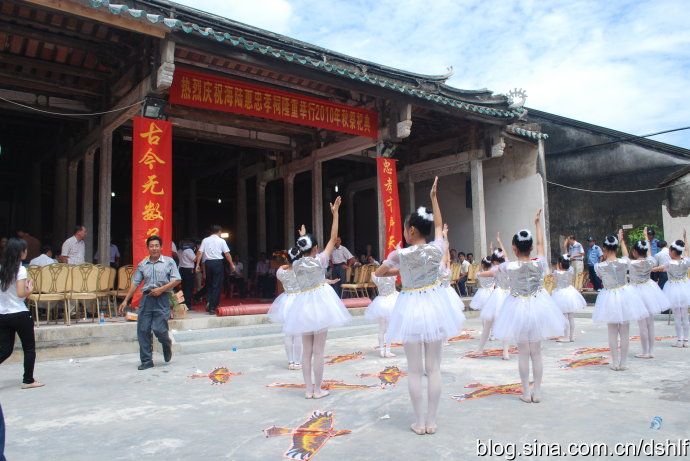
{"x": 248, "y": 306}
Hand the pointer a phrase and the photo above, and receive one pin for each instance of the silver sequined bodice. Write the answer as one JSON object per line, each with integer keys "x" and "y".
{"x": 288, "y": 279}
{"x": 677, "y": 269}
{"x": 502, "y": 280}
{"x": 385, "y": 285}
{"x": 612, "y": 273}
{"x": 444, "y": 277}
{"x": 563, "y": 279}
{"x": 309, "y": 273}
{"x": 526, "y": 277}
{"x": 641, "y": 270}
{"x": 485, "y": 282}
{"x": 419, "y": 265}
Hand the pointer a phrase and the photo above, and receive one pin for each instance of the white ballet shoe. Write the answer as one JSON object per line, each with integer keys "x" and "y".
{"x": 643, "y": 356}
{"x": 296, "y": 366}
{"x": 678, "y": 343}
{"x": 291, "y": 366}
{"x": 431, "y": 429}
{"x": 563, "y": 340}
{"x": 506, "y": 357}
{"x": 417, "y": 430}
{"x": 382, "y": 354}
{"x": 613, "y": 367}
{"x": 536, "y": 397}
{"x": 622, "y": 367}
{"x": 526, "y": 399}
{"x": 389, "y": 355}
{"x": 321, "y": 394}
{"x": 685, "y": 343}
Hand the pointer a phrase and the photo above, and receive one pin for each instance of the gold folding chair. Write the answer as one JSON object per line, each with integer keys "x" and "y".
{"x": 84, "y": 287}
{"x": 34, "y": 274}
{"x": 104, "y": 287}
{"x": 549, "y": 283}
{"x": 52, "y": 287}
{"x": 351, "y": 288}
{"x": 455, "y": 269}
{"x": 124, "y": 282}
{"x": 471, "y": 282}
{"x": 367, "y": 283}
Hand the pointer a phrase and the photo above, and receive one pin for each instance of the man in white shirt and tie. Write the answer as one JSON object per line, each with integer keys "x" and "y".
{"x": 340, "y": 259}
{"x": 214, "y": 249}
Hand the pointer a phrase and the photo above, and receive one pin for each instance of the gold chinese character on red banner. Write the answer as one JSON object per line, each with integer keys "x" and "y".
{"x": 150, "y": 159}
{"x": 389, "y": 185}
{"x": 150, "y": 186}
{"x": 391, "y": 242}
{"x": 391, "y": 223}
{"x": 153, "y": 231}
{"x": 152, "y": 136}
{"x": 152, "y": 212}
{"x": 387, "y": 167}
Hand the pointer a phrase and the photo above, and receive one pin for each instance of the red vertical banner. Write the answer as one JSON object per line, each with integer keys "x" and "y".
{"x": 151, "y": 186}
{"x": 388, "y": 182}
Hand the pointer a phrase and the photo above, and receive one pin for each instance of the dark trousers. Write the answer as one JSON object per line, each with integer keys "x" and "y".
{"x": 236, "y": 281}
{"x": 266, "y": 285}
{"x": 2, "y": 436}
{"x": 594, "y": 278}
{"x": 338, "y": 272}
{"x": 461, "y": 285}
{"x": 154, "y": 312}
{"x": 660, "y": 278}
{"x": 214, "y": 282}
{"x": 187, "y": 275}
{"x": 22, "y": 324}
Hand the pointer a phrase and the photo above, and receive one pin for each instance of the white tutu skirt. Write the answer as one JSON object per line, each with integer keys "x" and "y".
{"x": 529, "y": 318}
{"x": 619, "y": 305}
{"x": 678, "y": 293}
{"x": 314, "y": 311}
{"x": 493, "y": 304}
{"x": 480, "y": 298}
{"x": 381, "y": 307}
{"x": 568, "y": 299}
{"x": 424, "y": 316}
{"x": 455, "y": 300}
{"x": 281, "y": 305}
{"x": 652, "y": 297}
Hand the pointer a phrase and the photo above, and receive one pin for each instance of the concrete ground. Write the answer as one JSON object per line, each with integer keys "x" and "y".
{"x": 104, "y": 409}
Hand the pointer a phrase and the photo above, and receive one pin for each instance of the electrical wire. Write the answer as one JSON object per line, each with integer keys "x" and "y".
{"x": 72, "y": 114}
{"x": 612, "y": 191}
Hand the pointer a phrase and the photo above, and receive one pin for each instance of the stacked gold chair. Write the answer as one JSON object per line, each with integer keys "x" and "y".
{"x": 580, "y": 281}
{"x": 455, "y": 269}
{"x": 471, "y": 283}
{"x": 367, "y": 282}
{"x": 357, "y": 283}
{"x": 549, "y": 283}
{"x": 124, "y": 282}
{"x": 104, "y": 287}
{"x": 34, "y": 274}
{"x": 51, "y": 287}
{"x": 84, "y": 287}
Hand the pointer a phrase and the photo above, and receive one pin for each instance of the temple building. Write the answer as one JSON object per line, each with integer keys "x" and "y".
{"x": 266, "y": 130}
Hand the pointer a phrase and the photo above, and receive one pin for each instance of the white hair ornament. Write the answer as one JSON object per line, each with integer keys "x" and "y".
{"x": 566, "y": 257}
{"x": 678, "y": 247}
{"x": 524, "y": 235}
{"x": 421, "y": 211}
{"x": 611, "y": 240}
{"x": 304, "y": 243}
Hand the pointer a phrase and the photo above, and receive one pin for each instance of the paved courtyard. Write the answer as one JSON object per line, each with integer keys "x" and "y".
{"x": 104, "y": 409}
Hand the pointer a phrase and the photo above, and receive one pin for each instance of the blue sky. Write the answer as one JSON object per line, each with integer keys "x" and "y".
{"x": 620, "y": 64}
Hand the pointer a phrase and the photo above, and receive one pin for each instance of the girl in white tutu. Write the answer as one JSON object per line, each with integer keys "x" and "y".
{"x": 381, "y": 308}
{"x": 528, "y": 315}
{"x": 677, "y": 289}
{"x": 317, "y": 307}
{"x": 566, "y": 297}
{"x": 282, "y": 305}
{"x": 641, "y": 267}
{"x": 486, "y": 286}
{"x": 617, "y": 303}
{"x": 495, "y": 301}
{"x": 445, "y": 275}
{"x": 423, "y": 316}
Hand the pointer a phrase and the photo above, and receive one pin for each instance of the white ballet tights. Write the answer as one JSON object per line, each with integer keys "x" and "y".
{"x": 680, "y": 319}
{"x": 293, "y": 348}
{"x": 616, "y": 331}
{"x": 383, "y": 326}
{"x": 570, "y": 325}
{"x": 647, "y": 334}
{"x": 423, "y": 357}
{"x": 314, "y": 345}
{"x": 530, "y": 351}
{"x": 486, "y": 331}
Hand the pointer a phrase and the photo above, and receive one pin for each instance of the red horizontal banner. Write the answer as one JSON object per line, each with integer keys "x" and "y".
{"x": 226, "y": 95}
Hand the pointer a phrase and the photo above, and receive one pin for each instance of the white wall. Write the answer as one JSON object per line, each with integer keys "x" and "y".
{"x": 451, "y": 197}
{"x": 513, "y": 192}
{"x": 673, "y": 227}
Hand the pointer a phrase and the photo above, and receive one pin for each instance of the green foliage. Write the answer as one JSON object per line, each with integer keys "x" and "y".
{"x": 633, "y": 235}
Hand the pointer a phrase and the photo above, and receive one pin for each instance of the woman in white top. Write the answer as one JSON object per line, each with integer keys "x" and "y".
{"x": 423, "y": 315}
{"x": 677, "y": 289}
{"x": 15, "y": 318}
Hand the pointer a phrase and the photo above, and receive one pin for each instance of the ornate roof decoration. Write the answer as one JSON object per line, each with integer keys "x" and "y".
{"x": 427, "y": 87}
{"x": 534, "y": 135}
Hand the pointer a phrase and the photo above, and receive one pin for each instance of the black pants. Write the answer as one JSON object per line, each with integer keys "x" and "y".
{"x": 22, "y": 324}
{"x": 187, "y": 275}
{"x": 214, "y": 282}
{"x": 154, "y": 313}
{"x": 338, "y": 272}
{"x": 660, "y": 278}
{"x": 594, "y": 278}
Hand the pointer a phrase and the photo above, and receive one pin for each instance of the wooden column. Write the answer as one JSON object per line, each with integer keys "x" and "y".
{"x": 381, "y": 221}
{"x": 289, "y": 206}
{"x": 410, "y": 194}
{"x": 36, "y": 199}
{"x": 317, "y": 202}
{"x": 478, "y": 211}
{"x": 261, "y": 205}
{"x": 241, "y": 231}
{"x": 351, "y": 219}
{"x": 87, "y": 205}
{"x": 72, "y": 194}
{"x": 60, "y": 232}
{"x": 193, "y": 221}
{"x": 105, "y": 186}
{"x": 541, "y": 169}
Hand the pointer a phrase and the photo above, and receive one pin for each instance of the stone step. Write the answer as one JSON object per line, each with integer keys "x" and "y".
{"x": 261, "y": 340}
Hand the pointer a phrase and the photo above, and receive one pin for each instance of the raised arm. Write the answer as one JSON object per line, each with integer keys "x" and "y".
{"x": 621, "y": 242}
{"x": 335, "y": 206}
{"x": 502, "y": 246}
{"x": 445, "y": 262}
{"x": 438, "y": 219}
{"x": 685, "y": 241}
{"x": 540, "y": 234}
